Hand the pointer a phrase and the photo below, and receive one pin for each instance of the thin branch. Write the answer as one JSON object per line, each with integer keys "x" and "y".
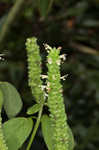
{"x": 35, "y": 128}
{"x": 11, "y": 16}
{"x": 85, "y": 49}
{"x": 50, "y": 5}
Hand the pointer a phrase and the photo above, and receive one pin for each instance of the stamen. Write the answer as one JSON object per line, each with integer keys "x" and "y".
{"x": 64, "y": 77}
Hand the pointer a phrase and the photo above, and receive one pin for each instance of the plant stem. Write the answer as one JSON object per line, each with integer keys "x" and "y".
{"x": 11, "y": 16}
{"x": 35, "y": 128}
{"x": 50, "y": 5}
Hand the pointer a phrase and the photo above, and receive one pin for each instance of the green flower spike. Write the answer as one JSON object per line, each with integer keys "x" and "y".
{"x": 2, "y": 140}
{"x": 55, "y": 100}
{"x": 34, "y": 69}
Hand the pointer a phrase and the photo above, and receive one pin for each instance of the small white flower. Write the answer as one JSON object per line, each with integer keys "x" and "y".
{"x": 58, "y": 62}
{"x": 61, "y": 90}
{"x": 49, "y": 60}
{"x": 48, "y": 84}
{"x": 48, "y": 87}
{"x": 64, "y": 77}
{"x": 47, "y": 47}
{"x": 59, "y": 48}
{"x": 46, "y": 95}
{"x": 44, "y": 76}
{"x": 43, "y": 87}
{"x": 63, "y": 57}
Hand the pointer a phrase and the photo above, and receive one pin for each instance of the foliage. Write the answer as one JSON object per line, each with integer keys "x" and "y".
{"x": 48, "y": 130}
{"x": 74, "y": 26}
{"x": 13, "y": 104}
{"x": 15, "y": 131}
{"x": 51, "y": 92}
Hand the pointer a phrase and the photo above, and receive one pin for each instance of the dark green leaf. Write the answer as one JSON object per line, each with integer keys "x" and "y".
{"x": 47, "y": 131}
{"x": 43, "y": 6}
{"x": 32, "y": 110}
{"x": 12, "y": 99}
{"x": 16, "y": 132}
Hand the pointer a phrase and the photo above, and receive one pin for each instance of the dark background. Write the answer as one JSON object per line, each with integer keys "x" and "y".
{"x": 74, "y": 25}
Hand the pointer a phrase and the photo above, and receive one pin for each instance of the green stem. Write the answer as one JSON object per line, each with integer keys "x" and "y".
{"x": 50, "y": 5}
{"x": 35, "y": 128}
{"x": 11, "y": 16}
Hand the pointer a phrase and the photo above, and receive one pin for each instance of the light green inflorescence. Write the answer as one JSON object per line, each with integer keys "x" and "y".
{"x": 55, "y": 101}
{"x": 62, "y": 135}
{"x": 2, "y": 140}
{"x": 34, "y": 69}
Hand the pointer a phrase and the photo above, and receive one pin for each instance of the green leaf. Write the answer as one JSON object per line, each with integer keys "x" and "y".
{"x": 16, "y": 132}
{"x": 2, "y": 21}
{"x": 47, "y": 131}
{"x": 71, "y": 139}
{"x": 12, "y": 99}
{"x": 32, "y": 110}
{"x": 43, "y": 6}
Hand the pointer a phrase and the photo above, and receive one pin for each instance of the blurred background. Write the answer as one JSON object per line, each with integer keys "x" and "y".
{"x": 72, "y": 24}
